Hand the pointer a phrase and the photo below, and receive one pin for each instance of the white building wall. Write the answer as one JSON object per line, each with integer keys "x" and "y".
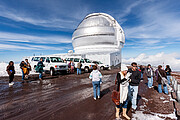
{"x": 104, "y": 58}
{"x": 115, "y": 58}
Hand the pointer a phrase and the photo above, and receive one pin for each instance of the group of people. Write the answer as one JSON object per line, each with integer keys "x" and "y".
{"x": 25, "y": 69}
{"x": 127, "y": 82}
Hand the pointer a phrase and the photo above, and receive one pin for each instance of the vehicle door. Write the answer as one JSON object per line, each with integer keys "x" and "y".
{"x": 46, "y": 63}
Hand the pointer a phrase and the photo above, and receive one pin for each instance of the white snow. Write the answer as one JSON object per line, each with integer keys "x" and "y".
{"x": 3, "y": 71}
{"x": 139, "y": 115}
{"x": 145, "y": 99}
{"x": 162, "y": 98}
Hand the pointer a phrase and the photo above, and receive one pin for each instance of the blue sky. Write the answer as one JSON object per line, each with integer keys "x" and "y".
{"x": 46, "y": 26}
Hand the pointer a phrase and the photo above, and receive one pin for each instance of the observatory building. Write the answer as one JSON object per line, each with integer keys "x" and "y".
{"x": 99, "y": 37}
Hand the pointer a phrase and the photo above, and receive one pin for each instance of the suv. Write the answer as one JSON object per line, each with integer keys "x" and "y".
{"x": 52, "y": 65}
{"x": 87, "y": 65}
{"x": 101, "y": 65}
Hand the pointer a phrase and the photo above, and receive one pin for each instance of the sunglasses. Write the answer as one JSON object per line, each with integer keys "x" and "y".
{"x": 134, "y": 66}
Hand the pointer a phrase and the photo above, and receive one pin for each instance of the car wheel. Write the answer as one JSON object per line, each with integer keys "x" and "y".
{"x": 102, "y": 68}
{"x": 86, "y": 69}
{"x": 51, "y": 71}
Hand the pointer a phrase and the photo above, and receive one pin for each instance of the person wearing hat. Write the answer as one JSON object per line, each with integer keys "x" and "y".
{"x": 122, "y": 82}
{"x": 150, "y": 74}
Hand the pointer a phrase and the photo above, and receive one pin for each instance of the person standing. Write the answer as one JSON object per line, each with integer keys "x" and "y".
{"x": 135, "y": 80}
{"x": 159, "y": 74}
{"x": 39, "y": 68}
{"x": 28, "y": 66}
{"x": 150, "y": 74}
{"x": 168, "y": 73}
{"x": 72, "y": 67}
{"x": 95, "y": 76}
{"x": 22, "y": 66}
{"x": 79, "y": 65}
{"x": 10, "y": 70}
{"x": 122, "y": 86}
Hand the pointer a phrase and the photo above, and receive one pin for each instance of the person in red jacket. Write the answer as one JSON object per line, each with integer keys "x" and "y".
{"x": 10, "y": 70}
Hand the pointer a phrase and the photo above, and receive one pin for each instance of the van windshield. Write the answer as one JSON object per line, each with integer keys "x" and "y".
{"x": 87, "y": 60}
{"x": 56, "y": 59}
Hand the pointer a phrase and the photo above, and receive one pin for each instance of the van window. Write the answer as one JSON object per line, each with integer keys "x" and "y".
{"x": 87, "y": 60}
{"x": 69, "y": 59}
{"x": 76, "y": 60}
{"x": 36, "y": 59}
{"x": 56, "y": 59}
{"x": 82, "y": 61}
{"x": 47, "y": 59}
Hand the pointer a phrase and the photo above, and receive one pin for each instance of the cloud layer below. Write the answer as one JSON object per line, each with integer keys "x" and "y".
{"x": 157, "y": 59}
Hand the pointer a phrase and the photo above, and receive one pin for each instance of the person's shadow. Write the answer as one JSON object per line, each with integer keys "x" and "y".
{"x": 104, "y": 92}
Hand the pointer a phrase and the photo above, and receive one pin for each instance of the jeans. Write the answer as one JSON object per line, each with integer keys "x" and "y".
{"x": 96, "y": 85}
{"x": 78, "y": 71}
{"x": 141, "y": 75}
{"x": 133, "y": 95}
{"x": 123, "y": 105}
{"x": 169, "y": 77}
{"x": 150, "y": 82}
{"x": 160, "y": 88}
{"x": 22, "y": 74}
{"x": 40, "y": 75}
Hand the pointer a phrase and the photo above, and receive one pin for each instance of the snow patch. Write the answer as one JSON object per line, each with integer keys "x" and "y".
{"x": 139, "y": 115}
{"x": 145, "y": 99}
{"x": 162, "y": 98}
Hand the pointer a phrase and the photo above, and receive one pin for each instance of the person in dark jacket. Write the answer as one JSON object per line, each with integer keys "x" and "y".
{"x": 150, "y": 74}
{"x": 134, "y": 83}
{"x": 39, "y": 68}
{"x": 10, "y": 70}
{"x": 168, "y": 73}
{"x": 161, "y": 73}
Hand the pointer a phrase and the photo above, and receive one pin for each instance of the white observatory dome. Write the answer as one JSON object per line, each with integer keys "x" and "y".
{"x": 98, "y": 32}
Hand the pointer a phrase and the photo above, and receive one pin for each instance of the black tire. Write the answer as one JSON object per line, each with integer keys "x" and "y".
{"x": 86, "y": 69}
{"x": 102, "y": 68}
{"x": 52, "y": 72}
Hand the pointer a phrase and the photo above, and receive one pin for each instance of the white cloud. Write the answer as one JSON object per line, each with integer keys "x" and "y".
{"x": 6, "y": 36}
{"x": 157, "y": 59}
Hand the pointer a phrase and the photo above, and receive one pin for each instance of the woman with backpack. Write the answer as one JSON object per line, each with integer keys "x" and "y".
{"x": 39, "y": 68}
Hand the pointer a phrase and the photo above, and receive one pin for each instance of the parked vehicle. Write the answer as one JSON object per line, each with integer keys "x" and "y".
{"x": 101, "y": 65}
{"x": 87, "y": 65}
{"x": 53, "y": 65}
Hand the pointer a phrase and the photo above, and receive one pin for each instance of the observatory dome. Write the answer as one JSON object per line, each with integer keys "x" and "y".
{"x": 98, "y": 32}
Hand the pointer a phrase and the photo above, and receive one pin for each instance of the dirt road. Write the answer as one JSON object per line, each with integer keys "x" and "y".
{"x": 70, "y": 97}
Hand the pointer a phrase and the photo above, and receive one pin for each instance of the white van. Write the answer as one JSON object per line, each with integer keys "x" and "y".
{"x": 87, "y": 65}
{"x": 101, "y": 65}
{"x": 52, "y": 64}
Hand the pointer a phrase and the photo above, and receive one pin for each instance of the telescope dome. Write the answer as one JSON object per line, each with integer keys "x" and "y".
{"x": 98, "y": 32}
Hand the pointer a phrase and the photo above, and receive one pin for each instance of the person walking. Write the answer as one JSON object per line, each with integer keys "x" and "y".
{"x": 122, "y": 86}
{"x": 159, "y": 74}
{"x": 23, "y": 69}
{"x": 150, "y": 74}
{"x": 39, "y": 68}
{"x": 168, "y": 73}
{"x": 72, "y": 67}
{"x": 10, "y": 70}
{"x": 79, "y": 65}
{"x": 95, "y": 76}
{"x": 135, "y": 80}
